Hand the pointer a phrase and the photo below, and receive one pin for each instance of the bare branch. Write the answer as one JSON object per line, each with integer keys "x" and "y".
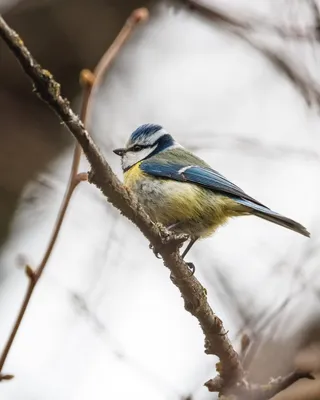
{"x": 87, "y": 80}
{"x": 193, "y": 293}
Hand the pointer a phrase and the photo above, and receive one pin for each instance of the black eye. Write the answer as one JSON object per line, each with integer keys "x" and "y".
{"x": 136, "y": 147}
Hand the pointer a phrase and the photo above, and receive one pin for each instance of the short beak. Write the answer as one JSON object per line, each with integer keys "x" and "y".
{"x": 119, "y": 152}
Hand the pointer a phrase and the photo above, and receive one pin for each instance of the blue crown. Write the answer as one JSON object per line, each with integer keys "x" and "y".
{"x": 144, "y": 131}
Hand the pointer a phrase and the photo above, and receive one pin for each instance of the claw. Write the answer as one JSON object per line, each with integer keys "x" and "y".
{"x": 156, "y": 254}
{"x": 173, "y": 278}
{"x": 191, "y": 267}
{"x": 155, "y": 251}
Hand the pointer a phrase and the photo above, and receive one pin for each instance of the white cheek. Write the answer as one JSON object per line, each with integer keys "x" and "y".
{"x": 130, "y": 158}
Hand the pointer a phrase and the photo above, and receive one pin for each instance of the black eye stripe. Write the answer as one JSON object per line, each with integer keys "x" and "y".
{"x": 138, "y": 147}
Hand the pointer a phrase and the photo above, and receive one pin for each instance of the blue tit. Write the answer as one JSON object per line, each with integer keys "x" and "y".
{"x": 181, "y": 191}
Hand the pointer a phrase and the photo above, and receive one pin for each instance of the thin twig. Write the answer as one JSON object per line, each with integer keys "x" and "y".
{"x": 138, "y": 16}
{"x": 193, "y": 293}
{"x": 316, "y": 13}
{"x": 87, "y": 80}
{"x": 254, "y": 24}
{"x": 275, "y": 386}
{"x": 299, "y": 76}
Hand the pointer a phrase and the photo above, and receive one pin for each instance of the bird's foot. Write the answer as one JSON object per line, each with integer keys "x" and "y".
{"x": 191, "y": 267}
{"x": 174, "y": 240}
{"x": 156, "y": 249}
{"x": 169, "y": 238}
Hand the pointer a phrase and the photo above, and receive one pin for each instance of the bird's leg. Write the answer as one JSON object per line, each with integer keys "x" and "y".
{"x": 190, "y": 244}
{"x": 190, "y": 264}
{"x": 173, "y": 226}
{"x": 170, "y": 228}
{"x": 192, "y": 241}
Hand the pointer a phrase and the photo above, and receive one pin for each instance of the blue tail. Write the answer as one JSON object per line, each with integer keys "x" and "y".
{"x": 269, "y": 215}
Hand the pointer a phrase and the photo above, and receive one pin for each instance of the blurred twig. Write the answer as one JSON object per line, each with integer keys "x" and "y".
{"x": 245, "y": 345}
{"x": 243, "y": 28}
{"x": 266, "y": 392}
{"x": 316, "y": 13}
{"x": 217, "y": 14}
{"x": 87, "y": 80}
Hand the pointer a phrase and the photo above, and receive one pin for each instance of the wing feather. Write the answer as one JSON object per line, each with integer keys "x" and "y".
{"x": 202, "y": 176}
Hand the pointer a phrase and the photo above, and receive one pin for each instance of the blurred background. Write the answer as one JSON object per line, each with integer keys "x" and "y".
{"x": 240, "y": 88}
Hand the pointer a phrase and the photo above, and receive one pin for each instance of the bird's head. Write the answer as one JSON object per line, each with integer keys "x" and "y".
{"x": 144, "y": 142}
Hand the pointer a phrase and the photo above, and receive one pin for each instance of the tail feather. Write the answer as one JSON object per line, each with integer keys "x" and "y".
{"x": 269, "y": 215}
{"x": 284, "y": 221}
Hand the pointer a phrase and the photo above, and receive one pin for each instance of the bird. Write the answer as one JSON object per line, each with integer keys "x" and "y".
{"x": 181, "y": 191}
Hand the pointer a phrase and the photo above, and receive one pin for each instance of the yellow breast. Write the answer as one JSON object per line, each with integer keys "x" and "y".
{"x": 198, "y": 210}
{"x": 133, "y": 175}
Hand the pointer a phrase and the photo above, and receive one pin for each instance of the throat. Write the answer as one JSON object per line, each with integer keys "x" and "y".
{"x": 132, "y": 174}
{"x": 132, "y": 171}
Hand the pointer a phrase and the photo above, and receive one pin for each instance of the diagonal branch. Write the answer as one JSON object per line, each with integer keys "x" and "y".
{"x": 192, "y": 292}
{"x": 87, "y": 80}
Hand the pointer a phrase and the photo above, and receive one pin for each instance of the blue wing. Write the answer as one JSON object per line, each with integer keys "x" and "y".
{"x": 210, "y": 179}
{"x": 202, "y": 176}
